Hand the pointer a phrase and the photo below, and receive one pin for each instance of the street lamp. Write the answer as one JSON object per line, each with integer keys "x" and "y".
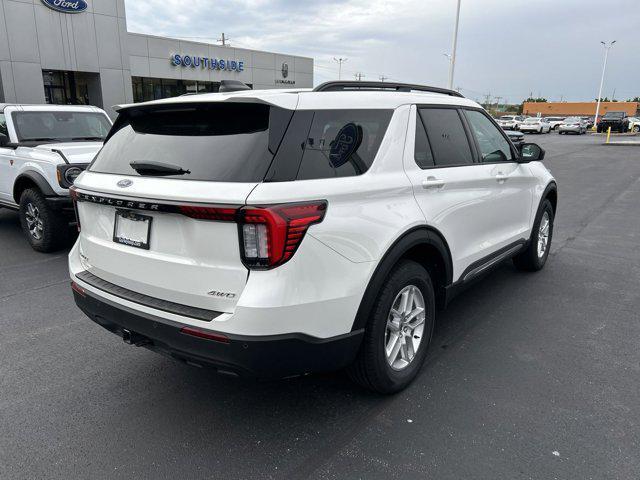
{"x": 452, "y": 59}
{"x": 340, "y": 61}
{"x": 607, "y": 47}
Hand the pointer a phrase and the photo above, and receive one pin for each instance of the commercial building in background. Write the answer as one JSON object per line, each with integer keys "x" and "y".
{"x": 80, "y": 52}
{"x": 582, "y": 109}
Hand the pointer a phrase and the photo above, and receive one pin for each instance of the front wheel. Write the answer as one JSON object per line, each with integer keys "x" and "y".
{"x": 45, "y": 230}
{"x": 636, "y": 129}
{"x": 534, "y": 257}
{"x": 399, "y": 331}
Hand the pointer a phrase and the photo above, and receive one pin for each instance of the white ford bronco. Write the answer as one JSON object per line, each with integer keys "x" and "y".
{"x": 43, "y": 148}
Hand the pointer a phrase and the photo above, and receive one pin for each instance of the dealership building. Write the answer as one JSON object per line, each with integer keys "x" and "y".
{"x": 80, "y": 52}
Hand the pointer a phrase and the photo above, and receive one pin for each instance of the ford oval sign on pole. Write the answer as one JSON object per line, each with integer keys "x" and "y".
{"x": 66, "y": 6}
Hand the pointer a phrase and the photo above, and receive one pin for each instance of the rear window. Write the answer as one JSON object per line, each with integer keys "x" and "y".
{"x": 614, "y": 115}
{"x": 237, "y": 142}
{"x": 225, "y": 142}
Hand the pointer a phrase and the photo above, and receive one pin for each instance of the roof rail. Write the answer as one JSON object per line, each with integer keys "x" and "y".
{"x": 351, "y": 85}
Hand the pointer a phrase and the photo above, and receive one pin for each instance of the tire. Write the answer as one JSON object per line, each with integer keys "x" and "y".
{"x": 45, "y": 230}
{"x": 530, "y": 259}
{"x": 636, "y": 129}
{"x": 372, "y": 369}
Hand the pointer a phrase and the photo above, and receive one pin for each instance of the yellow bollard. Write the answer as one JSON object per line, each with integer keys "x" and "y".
{"x": 608, "y": 134}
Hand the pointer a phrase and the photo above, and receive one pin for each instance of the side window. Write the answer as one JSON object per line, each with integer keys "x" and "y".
{"x": 342, "y": 143}
{"x": 422, "y": 152}
{"x": 493, "y": 146}
{"x": 3, "y": 125}
{"x": 449, "y": 142}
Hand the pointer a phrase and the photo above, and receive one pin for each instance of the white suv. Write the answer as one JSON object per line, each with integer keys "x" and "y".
{"x": 274, "y": 233}
{"x": 43, "y": 148}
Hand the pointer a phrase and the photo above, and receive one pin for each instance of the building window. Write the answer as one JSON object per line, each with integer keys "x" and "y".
{"x": 145, "y": 88}
{"x": 71, "y": 88}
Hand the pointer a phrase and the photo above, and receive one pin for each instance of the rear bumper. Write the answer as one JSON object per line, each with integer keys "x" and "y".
{"x": 274, "y": 356}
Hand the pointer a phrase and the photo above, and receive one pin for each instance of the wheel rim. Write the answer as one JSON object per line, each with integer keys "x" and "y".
{"x": 34, "y": 221}
{"x": 543, "y": 235}
{"x": 405, "y": 326}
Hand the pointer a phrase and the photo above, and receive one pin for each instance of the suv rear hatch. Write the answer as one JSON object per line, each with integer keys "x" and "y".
{"x": 146, "y": 203}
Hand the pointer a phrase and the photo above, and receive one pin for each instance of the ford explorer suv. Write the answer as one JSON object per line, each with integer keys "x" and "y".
{"x": 43, "y": 148}
{"x": 275, "y": 233}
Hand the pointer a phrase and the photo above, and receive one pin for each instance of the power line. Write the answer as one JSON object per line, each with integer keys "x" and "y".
{"x": 359, "y": 76}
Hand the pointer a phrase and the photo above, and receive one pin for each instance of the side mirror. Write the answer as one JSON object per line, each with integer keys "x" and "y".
{"x": 4, "y": 140}
{"x": 530, "y": 152}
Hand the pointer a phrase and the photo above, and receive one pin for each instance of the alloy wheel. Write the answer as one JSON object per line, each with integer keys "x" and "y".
{"x": 543, "y": 234}
{"x": 34, "y": 221}
{"x": 405, "y": 327}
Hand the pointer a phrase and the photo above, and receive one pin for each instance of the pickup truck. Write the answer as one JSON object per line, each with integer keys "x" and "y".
{"x": 43, "y": 148}
{"x": 618, "y": 121}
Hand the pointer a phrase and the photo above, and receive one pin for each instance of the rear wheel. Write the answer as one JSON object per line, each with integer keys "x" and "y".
{"x": 535, "y": 255}
{"x": 636, "y": 129}
{"x": 399, "y": 331}
{"x": 45, "y": 230}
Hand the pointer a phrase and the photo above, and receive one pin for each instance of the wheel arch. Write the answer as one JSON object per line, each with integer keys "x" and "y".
{"x": 30, "y": 179}
{"x": 425, "y": 245}
{"x": 550, "y": 193}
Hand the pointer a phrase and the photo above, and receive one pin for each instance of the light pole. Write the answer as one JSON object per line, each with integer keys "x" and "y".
{"x": 607, "y": 47}
{"x": 340, "y": 61}
{"x": 452, "y": 60}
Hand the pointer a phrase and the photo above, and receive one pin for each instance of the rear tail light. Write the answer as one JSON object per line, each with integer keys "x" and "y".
{"x": 73, "y": 193}
{"x": 196, "y": 332}
{"x": 269, "y": 236}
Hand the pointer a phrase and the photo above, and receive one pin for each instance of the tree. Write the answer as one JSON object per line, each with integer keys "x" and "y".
{"x": 605, "y": 99}
{"x": 634, "y": 99}
{"x": 536, "y": 100}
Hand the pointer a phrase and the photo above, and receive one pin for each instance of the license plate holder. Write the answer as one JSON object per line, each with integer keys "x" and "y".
{"x": 132, "y": 229}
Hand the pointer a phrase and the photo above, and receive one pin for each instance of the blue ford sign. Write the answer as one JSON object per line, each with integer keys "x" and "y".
{"x": 66, "y": 6}
{"x": 207, "y": 63}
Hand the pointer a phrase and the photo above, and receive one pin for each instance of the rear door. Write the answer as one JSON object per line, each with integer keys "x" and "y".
{"x": 452, "y": 190}
{"x": 157, "y": 205}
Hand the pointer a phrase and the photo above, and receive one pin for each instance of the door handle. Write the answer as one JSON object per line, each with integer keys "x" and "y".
{"x": 432, "y": 183}
{"x": 501, "y": 177}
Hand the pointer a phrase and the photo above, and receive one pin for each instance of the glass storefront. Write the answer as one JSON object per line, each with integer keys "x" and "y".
{"x": 68, "y": 88}
{"x": 145, "y": 88}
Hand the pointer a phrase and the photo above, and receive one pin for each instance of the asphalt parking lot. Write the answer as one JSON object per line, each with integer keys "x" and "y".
{"x": 530, "y": 375}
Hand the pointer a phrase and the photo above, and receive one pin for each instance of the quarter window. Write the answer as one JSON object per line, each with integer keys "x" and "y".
{"x": 422, "y": 153}
{"x": 3, "y": 125}
{"x": 449, "y": 142}
{"x": 493, "y": 146}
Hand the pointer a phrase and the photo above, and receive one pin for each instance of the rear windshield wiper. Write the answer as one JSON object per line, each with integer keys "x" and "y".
{"x": 157, "y": 168}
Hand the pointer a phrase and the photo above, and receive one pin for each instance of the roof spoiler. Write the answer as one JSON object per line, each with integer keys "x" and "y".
{"x": 351, "y": 85}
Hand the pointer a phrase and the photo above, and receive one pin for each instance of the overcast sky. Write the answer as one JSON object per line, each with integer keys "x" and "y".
{"x": 506, "y": 48}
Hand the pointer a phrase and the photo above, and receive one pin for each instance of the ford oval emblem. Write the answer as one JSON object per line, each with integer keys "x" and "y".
{"x": 125, "y": 183}
{"x": 66, "y": 6}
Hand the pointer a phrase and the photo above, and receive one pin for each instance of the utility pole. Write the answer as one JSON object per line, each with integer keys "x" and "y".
{"x": 359, "y": 76}
{"x": 487, "y": 96}
{"x": 224, "y": 40}
{"x": 340, "y": 61}
{"x": 382, "y": 78}
{"x": 498, "y": 102}
{"x": 452, "y": 64}
{"x": 607, "y": 47}
{"x": 613, "y": 96}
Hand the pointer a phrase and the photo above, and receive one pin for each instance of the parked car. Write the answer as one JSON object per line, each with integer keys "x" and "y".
{"x": 589, "y": 121}
{"x": 618, "y": 121}
{"x": 43, "y": 148}
{"x": 555, "y": 122}
{"x": 634, "y": 124}
{"x": 510, "y": 122}
{"x": 516, "y": 137}
{"x": 535, "y": 125}
{"x": 573, "y": 125}
{"x": 278, "y": 255}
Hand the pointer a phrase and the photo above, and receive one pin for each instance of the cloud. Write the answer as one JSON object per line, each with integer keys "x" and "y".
{"x": 505, "y": 48}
